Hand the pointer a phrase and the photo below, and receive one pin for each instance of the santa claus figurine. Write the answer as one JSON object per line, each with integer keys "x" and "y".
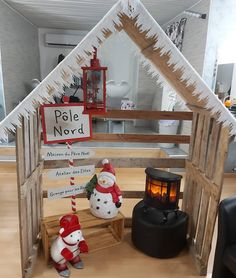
{"x": 103, "y": 193}
{"x": 68, "y": 245}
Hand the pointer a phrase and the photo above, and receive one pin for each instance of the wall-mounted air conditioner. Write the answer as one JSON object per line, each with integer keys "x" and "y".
{"x": 62, "y": 40}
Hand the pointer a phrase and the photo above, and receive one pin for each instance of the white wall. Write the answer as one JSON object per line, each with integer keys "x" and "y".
{"x": 195, "y": 35}
{"x": 224, "y": 30}
{"x": 148, "y": 97}
{"x": 224, "y": 77}
{"x": 49, "y": 54}
{"x": 118, "y": 53}
{"x": 20, "y": 56}
{"x": 221, "y": 39}
{"x": 233, "y": 88}
{"x": 194, "y": 46}
{"x": 2, "y": 96}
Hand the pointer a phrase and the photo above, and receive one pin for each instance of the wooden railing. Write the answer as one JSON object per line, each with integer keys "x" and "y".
{"x": 144, "y": 115}
{"x": 147, "y": 115}
{"x": 129, "y": 158}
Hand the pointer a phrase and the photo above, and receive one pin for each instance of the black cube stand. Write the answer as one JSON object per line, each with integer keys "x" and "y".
{"x": 156, "y": 236}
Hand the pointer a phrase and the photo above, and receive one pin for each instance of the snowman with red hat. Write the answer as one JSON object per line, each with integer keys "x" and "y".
{"x": 68, "y": 245}
{"x": 103, "y": 193}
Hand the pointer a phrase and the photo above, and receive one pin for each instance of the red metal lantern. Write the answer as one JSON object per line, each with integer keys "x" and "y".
{"x": 94, "y": 86}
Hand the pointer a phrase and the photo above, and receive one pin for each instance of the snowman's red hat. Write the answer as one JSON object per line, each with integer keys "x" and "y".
{"x": 69, "y": 223}
{"x": 108, "y": 170}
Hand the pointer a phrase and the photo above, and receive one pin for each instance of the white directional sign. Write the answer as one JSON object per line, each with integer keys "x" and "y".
{"x": 65, "y": 123}
{"x": 62, "y": 192}
{"x": 62, "y": 173}
{"x": 63, "y": 153}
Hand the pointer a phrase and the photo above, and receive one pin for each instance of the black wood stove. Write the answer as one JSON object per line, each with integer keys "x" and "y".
{"x": 159, "y": 228}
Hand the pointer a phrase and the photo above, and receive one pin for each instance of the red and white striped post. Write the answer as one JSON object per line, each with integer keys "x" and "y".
{"x": 71, "y": 165}
{"x": 72, "y": 179}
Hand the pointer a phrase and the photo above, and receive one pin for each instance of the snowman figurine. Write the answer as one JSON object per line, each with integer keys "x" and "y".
{"x": 68, "y": 245}
{"x": 103, "y": 193}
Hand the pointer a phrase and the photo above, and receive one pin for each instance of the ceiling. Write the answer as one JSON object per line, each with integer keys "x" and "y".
{"x": 84, "y": 14}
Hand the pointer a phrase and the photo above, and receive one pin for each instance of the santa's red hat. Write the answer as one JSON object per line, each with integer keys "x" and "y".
{"x": 108, "y": 170}
{"x": 69, "y": 223}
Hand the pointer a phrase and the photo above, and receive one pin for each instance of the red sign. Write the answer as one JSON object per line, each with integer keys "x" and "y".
{"x": 65, "y": 123}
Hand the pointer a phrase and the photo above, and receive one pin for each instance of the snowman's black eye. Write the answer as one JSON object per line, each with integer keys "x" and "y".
{"x": 71, "y": 235}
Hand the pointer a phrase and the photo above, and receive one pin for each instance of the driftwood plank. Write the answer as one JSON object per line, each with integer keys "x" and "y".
{"x": 193, "y": 135}
{"x": 204, "y": 144}
{"x": 147, "y": 138}
{"x": 197, "y": 197}
{"x": 202, "y": 222}
{"x": 186, "y": 192}
{"x": 197, "y": 143}
{"x": 29, "y": 233}
{"x": 28, "y": 271}
{"x": 40, "y": 198}
{"x": 147, "y": 115}
{"x": 20, "y": 180}
{"x": 39, "y": 135}
{"x": 23, "y": 234}
{"x": 34, "y": 210}
{"x": 32, "y": 142}
{"x": 26, "y": 147}
{"x": 20, "y": 156}
{"x": 122, "y": 162}
{"x": 125, "y": 194}
{"x": 213, "y": 208}
{"x": 35, "y": 135}
{"x": 104, "y": 137}
{"x": 192, "y": 191}
{"x": 221, "y": 156}
{"x": 213, "y": 147}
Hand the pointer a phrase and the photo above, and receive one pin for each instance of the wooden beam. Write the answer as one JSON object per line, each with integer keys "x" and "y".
{"x": 125, "y": 194}
{"x": 173, "y": 76}
{"x": 221, "y": 156}
{"x": 130, "y": 26}
{"x": 126, "y": 162}
{"x": 147, "y": 115}
{"x": 200, "y": 110}
{"x": 32, "y": 260}
{"x": 212, "y": 150}
{"x": 193, "y": 135}
{"x": 144, "y": 138}
{"x": 29, "y": 182}
{"x": 206, "y": 183}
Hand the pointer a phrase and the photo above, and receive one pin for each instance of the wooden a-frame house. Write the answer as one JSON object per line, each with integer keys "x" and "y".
{"x": 212, "y": 128}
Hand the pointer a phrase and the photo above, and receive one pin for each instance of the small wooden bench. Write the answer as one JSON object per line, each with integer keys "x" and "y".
{"x": 98, "y": 233}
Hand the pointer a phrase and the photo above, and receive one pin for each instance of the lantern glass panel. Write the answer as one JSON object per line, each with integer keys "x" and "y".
{"x": 94, "y": 86}
{"x": 173, "y": 192}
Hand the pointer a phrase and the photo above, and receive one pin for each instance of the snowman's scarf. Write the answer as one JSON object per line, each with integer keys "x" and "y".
{"x": 114, "y": 190}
